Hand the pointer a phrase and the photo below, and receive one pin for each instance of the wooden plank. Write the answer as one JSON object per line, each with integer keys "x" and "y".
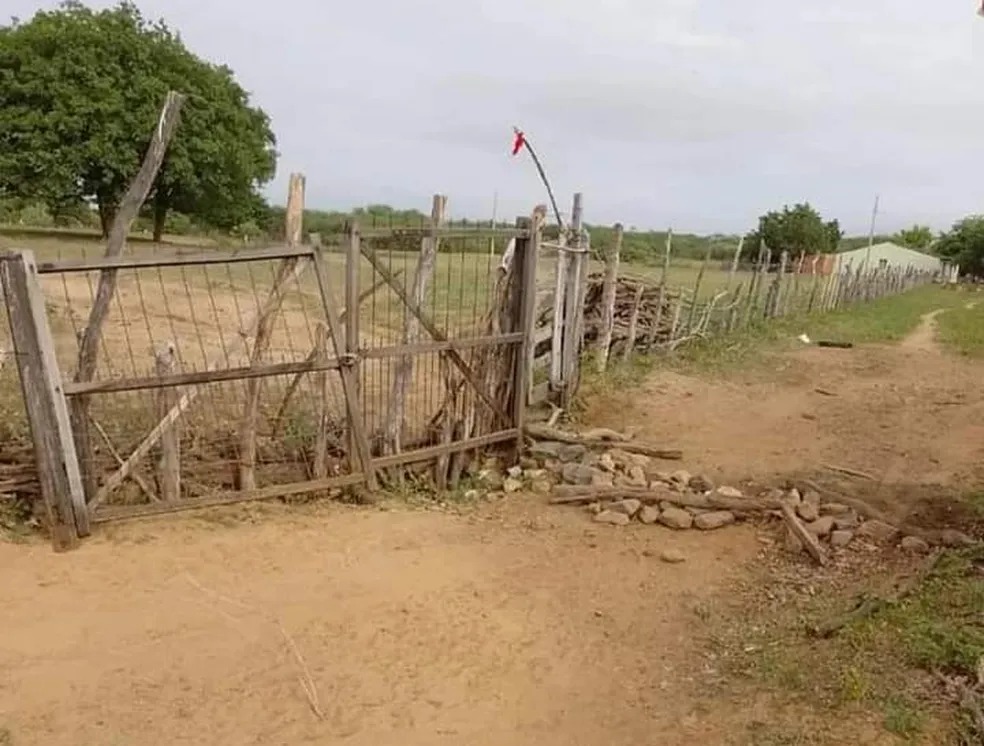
{"x": 199, "y": 377}
{"x": 127, "y": 212}
{"x": 608, "y": 288}
{"x": 458, "y": 345}
{"x": 319, "y": 468}
{"x": 349, "y": 390}
{"x": 436, "y": 333}
{"x": 633, "y": 322}
{"x": 293, "y": 225}
{"x": 810, "y": 542}
{"x": 47, "y": 413}
{"x": 129, "y": 512}
{"x": 350, "y": 317}
{"x": 524, "y": 264}
{"x": 426, "y": 454}
{"x": 561, "y": 269}
{"x": 426, "y": 264}
{"x": 169, "y": 463}
{"x": 154, "y": 261}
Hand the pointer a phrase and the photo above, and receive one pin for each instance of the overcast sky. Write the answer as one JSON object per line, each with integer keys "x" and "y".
{"x": 696, "y": 114}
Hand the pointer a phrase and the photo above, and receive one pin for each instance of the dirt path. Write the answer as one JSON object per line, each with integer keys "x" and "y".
{"x": 514, "y": 623}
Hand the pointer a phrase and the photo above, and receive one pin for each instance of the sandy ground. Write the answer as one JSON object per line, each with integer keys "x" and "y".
{"x": 513, "y": 623}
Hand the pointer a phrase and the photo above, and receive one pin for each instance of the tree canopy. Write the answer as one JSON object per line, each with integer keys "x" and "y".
{"x": 80, "y": 93}
{"x": 917, "y": 237}
{"x": 799, "y": 229}
{"x": 964, "y": 244}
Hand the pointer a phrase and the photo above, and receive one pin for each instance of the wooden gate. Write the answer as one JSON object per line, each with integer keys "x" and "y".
{"x": 196, "y": 402}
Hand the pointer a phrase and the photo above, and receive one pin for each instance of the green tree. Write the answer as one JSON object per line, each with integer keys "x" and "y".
{"x": 916, "y": 237}
{"x": 80, "y": 91}
{"x": 964, "y": 244}
{"x": 799, "y": 229}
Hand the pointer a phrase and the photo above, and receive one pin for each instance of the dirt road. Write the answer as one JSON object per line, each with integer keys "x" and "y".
{"x": 513, "y": 623}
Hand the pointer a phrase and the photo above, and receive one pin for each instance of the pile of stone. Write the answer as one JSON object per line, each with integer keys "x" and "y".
{"x": 618, "y": 487}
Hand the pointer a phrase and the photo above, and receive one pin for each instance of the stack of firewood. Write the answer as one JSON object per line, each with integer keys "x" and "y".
{"x": 654, "y": 322}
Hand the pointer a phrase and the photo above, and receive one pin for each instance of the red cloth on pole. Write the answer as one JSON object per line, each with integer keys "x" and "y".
{"x": 519, "y": 142}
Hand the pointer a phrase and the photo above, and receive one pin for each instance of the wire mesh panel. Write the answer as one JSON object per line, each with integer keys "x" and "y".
{"x": 246, "y": 348}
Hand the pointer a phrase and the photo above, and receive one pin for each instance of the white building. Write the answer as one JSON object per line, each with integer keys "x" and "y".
{"x": 889, "y": 255}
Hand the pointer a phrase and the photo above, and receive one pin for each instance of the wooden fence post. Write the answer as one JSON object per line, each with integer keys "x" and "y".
{"x": 574, "y": 307}
{"x": 604, "y": 342}
{"x": 426, "y": 266}
{"x": 661, "y": 299}
{"x": 524, "y": 276}
{"x": 47, "y": 411}
{"x": 169, "y": 463}
{"x": 293, "y": 225}
{"x": 734, "y": 262}
{"x": 353, "y": 300}
{"x": 697, "y": 283}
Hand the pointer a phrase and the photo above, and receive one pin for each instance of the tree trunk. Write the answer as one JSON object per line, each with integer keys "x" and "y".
{"x": 160, "y": 215}
{"x": 107, "y": 212}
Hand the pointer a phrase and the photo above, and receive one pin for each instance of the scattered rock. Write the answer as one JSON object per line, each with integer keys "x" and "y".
{"x": 732, "y": 492}
{"x": 674, "y": 517}
{"x": 541, "y": 486}
{"x": 681, "y": 478}
{"x": 594, "y": 508}
{"x": 535, "y": 473}
{"x": 636, "y": 476}
{"x": 847, "y": 522}
{"x": 528, "y": 463}
{"x": 515, "y": 472}
{"x": 601, "y": 478}
{"x": 672, "y": 556}
{"x": 649, "y": 515}
{"x": 914, "y": 544}
{"x": 637, "y": 459}
{"x": 569, "y": 453}
{"x": 700, "y": 484}
{"x": 808, "y": 512}
{"x": 578, "y": 474}
{"x": 612, "y": 518}
{"x": 717, "y": 519}
{"x": 621, "y": 458}
{"x": 834, "y": 509}
{"x": 664, "y": 505}
{"x": 546, "y": 449}
{"x": 472, "y": 494}
{"x": 512, "y": 485}
{"x": 821, "y": 527}
{"x": 606, "y": 462}
{"x": 695, "y": 511}
{"x": 878, "y": 531}
{"x": 590, "y": 459}
{"x": 841, "y": 538}
{"x": 491, "y": 479}
{"x": 628, "y": 507}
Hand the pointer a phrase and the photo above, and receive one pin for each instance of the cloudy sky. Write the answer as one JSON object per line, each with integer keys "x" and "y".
{"x": 696, "y": 114}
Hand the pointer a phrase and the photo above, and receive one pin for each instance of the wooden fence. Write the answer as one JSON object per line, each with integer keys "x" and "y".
{"x": 605, "y": 312}
{"x": 222, "y": 376}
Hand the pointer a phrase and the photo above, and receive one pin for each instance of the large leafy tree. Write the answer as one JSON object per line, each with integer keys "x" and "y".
{"x": 799, "y": 229}
{"x": 80, "y": 91}
{"x": 964, "y": 244}
{"x": 916, "y": 237}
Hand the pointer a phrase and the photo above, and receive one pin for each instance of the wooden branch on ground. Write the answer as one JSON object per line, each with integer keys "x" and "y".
{"x": 128, "y": 210}
{"x": 543, "y": 432}
{"x": 849, "y": 472}
{"x": 810, "y": 542}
